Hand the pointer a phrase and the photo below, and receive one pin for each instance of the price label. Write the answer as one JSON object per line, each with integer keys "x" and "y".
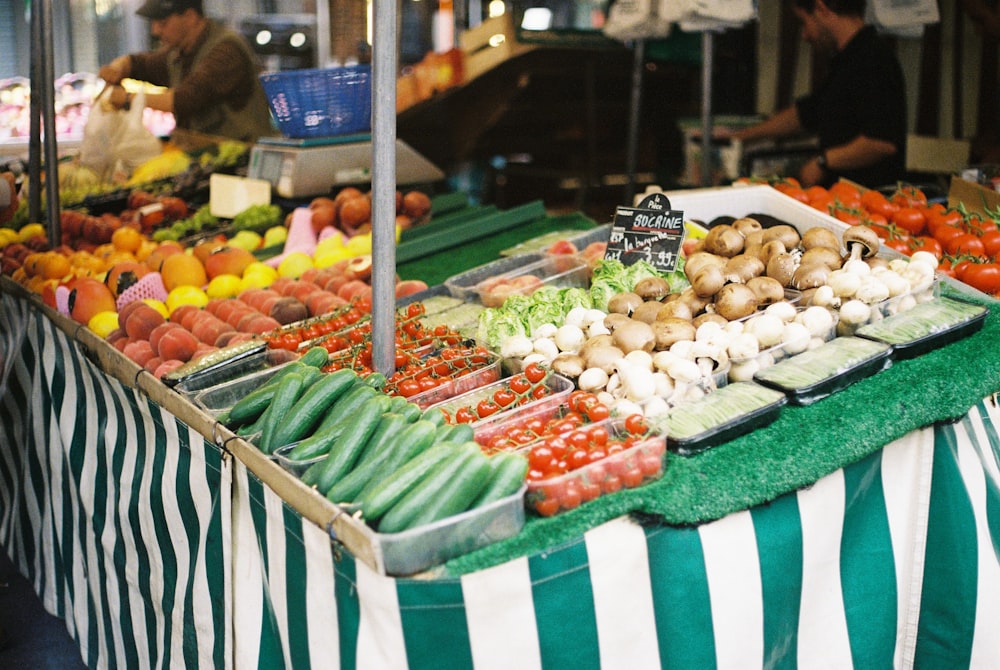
{"x": 652, "y": 232}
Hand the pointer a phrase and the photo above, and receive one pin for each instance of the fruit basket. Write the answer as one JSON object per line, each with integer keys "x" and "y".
{"x": 320, "y": 102}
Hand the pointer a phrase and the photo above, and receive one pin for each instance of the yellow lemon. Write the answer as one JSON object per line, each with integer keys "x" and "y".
{"x": 158, "y": 305}
{"x": 255, "y": 280}
{"x": 359, "y": 245}
{"x": 7, "y": 235}
{"x": 103, "y": 323}
{"x": 224, "y": 286}
{"x": 261, "y": 268}
{"x": 331, "y": 243}
{"x": 30, "y": 230}
{"x": 186, "y": 295}
{"x": 294, "y": 264}
{"x": 326, "y": 258}
{"x": 246, "y": 239}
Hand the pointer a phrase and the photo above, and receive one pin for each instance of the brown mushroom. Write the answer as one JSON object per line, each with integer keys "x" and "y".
{"x": 742, "y": 267}
{"x": 861, "y": 242}
{"x": 767, "y": 289}
{"x": 675, "y": 309}
{"x": 770, "y": 249}
{"x": 624, "y": 303}
{"x": 810, "y": 276}
{"x": 746, "y": 225}
{"x": 753, "y": 242}
{"x": 787, "y": 234}
{"x": 708, "y": 280}
{"x": 651, "y": 288}
{"x": 817, "y": 236}
{"x": 735, "y": 301}
{"x": 824, "y": 255}
{"x": 672, "y": 330}
{"x": 782, "y": 267}
{"x": 724, "y": 240}
{"x": 647, "y": 311}
{"x": 709, "y": 316}
{"x": 700, "y": 259}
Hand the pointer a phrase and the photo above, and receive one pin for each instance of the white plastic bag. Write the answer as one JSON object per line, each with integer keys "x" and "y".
{"x": 635, "y": 20}
{"x": 116, "y": 139}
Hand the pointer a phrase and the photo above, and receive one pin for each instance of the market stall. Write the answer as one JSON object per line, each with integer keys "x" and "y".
{"x": 726, "y": 557}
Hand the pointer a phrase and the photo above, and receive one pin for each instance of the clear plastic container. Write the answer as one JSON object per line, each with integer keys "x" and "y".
{"x": 926, "y": 326}
{"x": 559, "y": 271}
{"x": 479, "y": 377}
{"x": 295, "y": 467}
{"x": 216, "y": 400}
{"x": 744, "y": 368}
{"x": 559, "y": 388}
{"x": 891, "y": 306}
{"x": 463, "y": 285}
{"x": 639, "y": 464}
{"x": 414, "y": 550}
{"x": 259, "y": 359}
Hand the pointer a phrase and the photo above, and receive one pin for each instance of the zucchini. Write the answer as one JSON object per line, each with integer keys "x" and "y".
{"x": 316, "y": 357}
{"x": 508, "y": 472}
{"x": 347, "y": 404}
{"x": 449, "y": 489}
{"x": 378, "y": 449}
{"x": 284, "y": 397}
{"x": 348, "y": 447}
{"x": 387, "y": 491}
{"x": 307, "y": 412}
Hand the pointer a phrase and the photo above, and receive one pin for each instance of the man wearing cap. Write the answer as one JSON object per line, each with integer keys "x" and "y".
{"x": 210, "y": 74}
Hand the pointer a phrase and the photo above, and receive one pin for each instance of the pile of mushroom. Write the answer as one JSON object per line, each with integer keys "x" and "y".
{"x": 655, "y": 349}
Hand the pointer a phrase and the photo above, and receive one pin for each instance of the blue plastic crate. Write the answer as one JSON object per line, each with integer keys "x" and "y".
{"x": 320, "y": 102}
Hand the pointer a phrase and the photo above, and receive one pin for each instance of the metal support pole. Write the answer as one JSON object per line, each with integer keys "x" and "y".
{"x": 384, "y": 187}
{"x": 35, "y": 120}
{"x": 706, "y": 107}
{"x": 633, "y": 122}
{"x": 47, "y": 88}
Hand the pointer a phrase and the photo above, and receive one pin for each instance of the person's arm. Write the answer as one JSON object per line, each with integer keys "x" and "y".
{"x": 782, "y": 124}
{"x": 859, "y": 152}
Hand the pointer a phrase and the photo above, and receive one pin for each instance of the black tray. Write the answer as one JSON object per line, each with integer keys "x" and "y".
{"x": 969, "y": 318}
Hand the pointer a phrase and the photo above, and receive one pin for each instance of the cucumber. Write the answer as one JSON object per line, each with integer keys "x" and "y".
{"x": 389, "y": 490}
{"x": 390, "y": 426}
{"x": 411, "y": 411}
{"x": 252, "y": 405}
{"x": 457, "y": 433}
{"x": 507, "y": 475}
{"x": 449, "y": 489}
{"x": 376, "y": 380}
{"x": 415, "y": 439}
{"x": 284, "y": 397}
{"x": 308, "y": 411}
{"x": 347, "y": 404}
{"x": 396, "y": 403}
{"x": 316, "y": 357}
{"x": 434, "y": 414}
{"x": 317, "y": 444}
{"x": 349, "y": 446}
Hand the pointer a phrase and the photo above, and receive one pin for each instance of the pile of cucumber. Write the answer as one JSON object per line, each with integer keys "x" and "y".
{"x": 403, "y": 467}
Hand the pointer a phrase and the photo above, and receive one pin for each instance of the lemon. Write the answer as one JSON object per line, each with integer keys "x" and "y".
{"x": 224, "y": 286}
{"x": 186, "y": 295}
{"x": 261, "y": 268}
{"x": 294, "y": 264}
{"x": 251, "y": 280}
{"x": 326, "y": 257}
{"x": 331, "y": 243}
{"x": 7, "y": 236}
{"x": 274, "y": 236}
{"x": 158, "y": 305}
{"x": 359, "y": 245}
{"x": 103, "y": 323}
{"x": 30, "y": 230}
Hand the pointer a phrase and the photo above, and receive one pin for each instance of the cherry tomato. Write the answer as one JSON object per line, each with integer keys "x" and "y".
{"x": 928, "y": 244}
{"x": 504, "y": 397}
{"x": 875, "y": 202}
{"x": 598, "y": 412}
{"x": 900, "y": 243}
{"x": 632, "y": 477}
{"x": 540, "y": 392}
{"x": 942, "y": 217}
{"x": 983, "y": 276}
{"x": 635, "y": 424}
{"x": 408, "y": 388}
{"x": 465, "y": 415}
{"x": 486, "y": 408}
{"x": 571, "y": 497}
{"x": 991, "y": 243}
{"x": 945, "y": 234}
{"x": 848, "y": 215}
{"x": 576, "y": 459}
{"x": 598, "y": 435}
{"x": 519, "y": 384}
{"x": 910, "y": 219}
{"x": 967, "y": 244}
{"x": 534, "y": 373}
{"x": 578, "y": 439}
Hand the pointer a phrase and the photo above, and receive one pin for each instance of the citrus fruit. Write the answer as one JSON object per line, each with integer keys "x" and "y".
{"x": 246, "y": 239}
{"x": 330, "y": 243}
{"x": 360, "y": 244}
{"x": 126, "y": 238}
{"x": 274, "y": 236}
{"x": 327, "y": 257}
{"x": 7, "y": 235}
{"x": 258, "y": 267}
{"x": 224, "y": 286}
{"x": 182, "y": 269}
{"x": 30, "y": 230}
{"x": 186, "y": 295}
{"x": 158, "y": 305}
{"x": 294, "y": 264}
{"x": 103, "y": 323}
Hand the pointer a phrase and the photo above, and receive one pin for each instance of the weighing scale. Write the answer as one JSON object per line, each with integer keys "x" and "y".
{"x": 309, "y": 167}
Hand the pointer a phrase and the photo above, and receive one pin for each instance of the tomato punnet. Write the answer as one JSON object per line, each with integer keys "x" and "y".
{"x": 984, "y": 277}
{"x": 910, "y": 219}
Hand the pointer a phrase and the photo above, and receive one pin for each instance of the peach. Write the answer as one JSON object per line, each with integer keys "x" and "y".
{"x": 138, "y": 351}
{"x": 228, "y": 260}
{"x": 355, "y": 288}
{"x": 322, "y": 302}
{"x": 159, "y": 332}
{"x": 177, "y": 344}
{"x": 152, "y": 364}
{"x": 141, "y": 322}
{"x": 287, "y": 310}
{"x": 166, "y": 367}
{"x": 208, "y": 332}
{"x": 409, "y": 287}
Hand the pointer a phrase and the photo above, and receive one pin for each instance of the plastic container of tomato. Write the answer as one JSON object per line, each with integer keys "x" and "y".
{"x": 559, "y": 390}
{"x": 642, "y": 462}
{"x": 449, "y": 388}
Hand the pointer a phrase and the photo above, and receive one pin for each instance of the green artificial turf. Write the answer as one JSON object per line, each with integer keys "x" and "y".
{"x": 803, "y": 445}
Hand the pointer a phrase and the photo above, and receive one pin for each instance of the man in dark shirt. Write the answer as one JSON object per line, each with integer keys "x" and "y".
{"x": 858, "y": 113}
{"x": 210, "y": 74}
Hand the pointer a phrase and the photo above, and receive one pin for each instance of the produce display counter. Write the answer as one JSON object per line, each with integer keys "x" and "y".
{"x": 860, "y": 530}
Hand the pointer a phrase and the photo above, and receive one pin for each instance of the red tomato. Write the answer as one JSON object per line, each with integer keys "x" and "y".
{"x": 875, "y": 202}
{"x": 847, "y": 194}
{"x": 983, "y": 276}
{"x": 849, "y": 215}
{"x": 945, "y": 268}
{"x": 965, "y": 244}
{"x": 908, "y": 196}
{"x": 571, "y": 498}
{"x": 900, "y": 243}
{"x": 519, "y": 384}
{"x": 408, "y": 387}
{"x": 547, "y": 506}
{"x": 635, "y": 424}
{"x": 465, "y": 415}
{"x": 991, "y": 243}
{"x": 928, "y": 244}
{"x": 598, "y": 412}
{"x": 946, "y": 233}
{"x": 632, "y": 477}
{"x": 910, "y": 219}
{"x": 598, "y": 435}
{"x": 486, "y": 408}
{"x": 534, "y": 372}
{"x": 939, "y": 217}
{"x": 504, "y": 397}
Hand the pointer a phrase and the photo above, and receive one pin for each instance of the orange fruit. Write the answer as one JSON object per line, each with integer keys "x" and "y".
{"x": 125, "y": 274}
{"x": 56, "y": 266}
{"x": 182, "y": 270}
{"x": 126, "y": 238}
{"x": 156, "y": 257}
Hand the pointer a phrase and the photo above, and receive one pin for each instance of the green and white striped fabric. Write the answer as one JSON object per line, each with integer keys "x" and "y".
{"x": 118, "y": 513}
{"x": 893, "y": 562}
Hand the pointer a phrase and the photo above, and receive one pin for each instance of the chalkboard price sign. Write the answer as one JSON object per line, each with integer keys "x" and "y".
{"x": 651, "y": 232}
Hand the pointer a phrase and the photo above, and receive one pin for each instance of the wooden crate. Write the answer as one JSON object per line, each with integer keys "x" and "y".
{"x": 489, "y": 44}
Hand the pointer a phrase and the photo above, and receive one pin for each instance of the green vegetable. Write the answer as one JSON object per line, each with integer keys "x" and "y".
{"x": 821, "y": 364}
{"x": 308, "y": 411}
{"x": 284, "y": 397}
{"x": 920, "y": 321}
{"x": 357, "y": 395}
{"x": 348, "y": 448}
{"x": 507, "y": 475}
{"x": 315, "y": 356}
{"x": 376, "y": 500}
{"x": 715, "y": 410}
